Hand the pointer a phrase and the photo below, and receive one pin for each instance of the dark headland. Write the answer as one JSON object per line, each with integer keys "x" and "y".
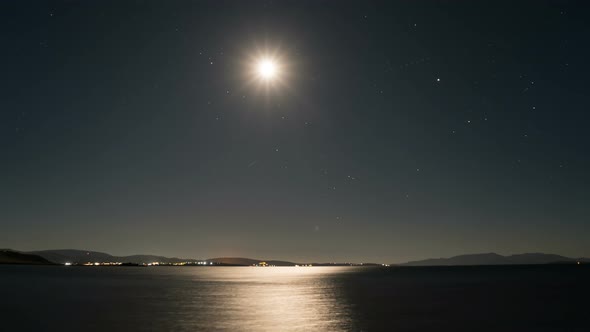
{"x": 8, "y": 256}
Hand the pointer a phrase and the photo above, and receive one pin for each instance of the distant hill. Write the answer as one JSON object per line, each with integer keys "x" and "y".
{"x": 8, "y": 256}
{"x": 74, "y": 256}
{"x": 62, "y": 256}
{"x": 240, "y": 261}
{"x": 495, "y": 259}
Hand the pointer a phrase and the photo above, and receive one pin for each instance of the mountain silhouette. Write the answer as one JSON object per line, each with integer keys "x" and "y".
{"x": 495, "y": 259}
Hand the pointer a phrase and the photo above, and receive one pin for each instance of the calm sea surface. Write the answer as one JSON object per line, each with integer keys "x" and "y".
{"x": 519, "y": 298}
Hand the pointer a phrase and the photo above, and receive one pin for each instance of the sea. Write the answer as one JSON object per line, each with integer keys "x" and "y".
{"x": 476, "y": 298}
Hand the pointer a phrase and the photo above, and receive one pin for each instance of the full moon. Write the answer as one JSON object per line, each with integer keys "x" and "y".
{"x": 267, "y": 69}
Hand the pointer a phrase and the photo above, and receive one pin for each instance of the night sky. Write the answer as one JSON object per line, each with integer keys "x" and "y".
{"x": 393, "y": 130}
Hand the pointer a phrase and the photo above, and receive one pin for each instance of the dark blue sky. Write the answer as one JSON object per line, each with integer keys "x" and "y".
{"x": 401, "y": 130}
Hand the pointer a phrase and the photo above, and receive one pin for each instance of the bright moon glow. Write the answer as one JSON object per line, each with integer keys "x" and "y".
{"x": 267, "y": 69}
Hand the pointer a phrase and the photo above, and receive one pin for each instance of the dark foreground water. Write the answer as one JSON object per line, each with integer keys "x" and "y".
{"x": 519, "y": 298}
